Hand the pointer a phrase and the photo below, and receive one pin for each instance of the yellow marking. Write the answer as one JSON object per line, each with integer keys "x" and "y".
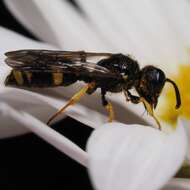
{"x": 29, "y": 76}
{"x": 167, "y": 111}
{"x": 150, "y": 111}
{"x": 73, "y": 100}
{"x": 109, "y": 108}
{"x": 58, "y": 78}
{"x": 18, "y": 77}
{"x": 125, "y": 77}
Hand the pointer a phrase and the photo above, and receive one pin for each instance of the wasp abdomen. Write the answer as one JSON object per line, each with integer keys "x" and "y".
{"x": 39, "y": 79}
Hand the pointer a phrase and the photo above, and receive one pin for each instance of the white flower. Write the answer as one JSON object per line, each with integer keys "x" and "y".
{"x": 128, "y": 157}
{"x": 151, "y": 31}
{"x": 118, "y": 156}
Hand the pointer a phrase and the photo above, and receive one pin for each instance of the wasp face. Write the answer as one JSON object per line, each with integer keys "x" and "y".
{"x": 151, "y": 83}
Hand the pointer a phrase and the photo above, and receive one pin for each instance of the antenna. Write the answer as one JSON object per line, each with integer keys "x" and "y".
{"x": 177, "y": 93}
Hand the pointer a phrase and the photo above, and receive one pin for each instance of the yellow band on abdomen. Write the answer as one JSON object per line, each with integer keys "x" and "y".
{"x": 18, "y": 77}
{"x": 58, "y": 78}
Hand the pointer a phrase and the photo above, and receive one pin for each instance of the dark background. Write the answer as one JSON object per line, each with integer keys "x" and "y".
{"x": 27, "y": 162}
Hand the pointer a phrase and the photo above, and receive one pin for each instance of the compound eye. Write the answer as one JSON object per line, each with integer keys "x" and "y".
{"x": 157, "y": 77}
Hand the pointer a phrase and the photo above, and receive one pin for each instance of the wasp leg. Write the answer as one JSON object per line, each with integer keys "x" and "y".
{"x": 132, "y": 98}
{"x": 148, "y": 107}
{"x": 73, "y": 100}
{"x": 108, "y": 106}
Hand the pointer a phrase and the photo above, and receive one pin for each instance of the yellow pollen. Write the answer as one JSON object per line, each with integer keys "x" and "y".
{"x": 167, "y": 112}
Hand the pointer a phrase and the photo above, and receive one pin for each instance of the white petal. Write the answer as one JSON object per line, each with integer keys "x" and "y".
{"x": 45, "y": 132}
{"x": 29, "y": 15}
{"x": 134, "y": 157}
{"x": 56, "y": 22}
{"x": 186, "y": 124}
{"x": 178, "y": 184}
{"x": 143, "y": 29}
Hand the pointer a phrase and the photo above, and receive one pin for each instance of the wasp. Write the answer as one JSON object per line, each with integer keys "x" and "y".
{"x": 111, "y": 73}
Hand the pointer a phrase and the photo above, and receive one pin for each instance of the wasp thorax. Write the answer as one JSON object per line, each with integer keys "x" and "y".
{"x": 122, "y": 64}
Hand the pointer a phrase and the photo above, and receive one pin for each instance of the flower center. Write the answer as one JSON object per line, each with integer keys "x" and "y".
{"x": 167, "y": 111}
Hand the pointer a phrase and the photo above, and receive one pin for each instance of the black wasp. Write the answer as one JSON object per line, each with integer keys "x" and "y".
{"x": 111, "y": 73}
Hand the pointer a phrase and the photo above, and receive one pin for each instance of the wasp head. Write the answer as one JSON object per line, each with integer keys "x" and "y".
{"x": 150, "y": 84}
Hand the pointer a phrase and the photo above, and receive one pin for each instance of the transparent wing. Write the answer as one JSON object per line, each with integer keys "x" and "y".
{"x": 31, "y": 56}
{"x": 62, "y": 61}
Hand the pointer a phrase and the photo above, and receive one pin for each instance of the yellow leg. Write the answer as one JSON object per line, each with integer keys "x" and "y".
{"x": 72, "y": 101}
{"x": 150, "y": 111}
{"x": 110, "y": 110}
